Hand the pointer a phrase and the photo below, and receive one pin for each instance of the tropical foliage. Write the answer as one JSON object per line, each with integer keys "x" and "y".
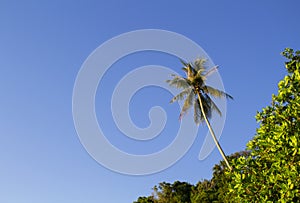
{"x": 206, "y": 191}
{"x": 272, "y": 172}
{"x": 178, "y": 192}
{"x": 269, "y": 171}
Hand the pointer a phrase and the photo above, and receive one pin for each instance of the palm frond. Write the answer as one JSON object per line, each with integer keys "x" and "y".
{"x": 184, "y": 69}
{"x": 206, "y": 106}
{"x": 213, "y": 105}
{"x": 183, "y": 62}
{"x": 191, "y": 72}
{"x": 187, "y": 103}
{"x": 197, "y": 112}
{"x": 211, "y": 71}
{"x": 199, "y": 64}
{"x": 178, "y": 82}
{"x": 216, "y": 93}
{"x": 181, "y": 95}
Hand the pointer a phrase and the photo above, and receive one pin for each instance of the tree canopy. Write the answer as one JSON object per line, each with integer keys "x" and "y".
{"x": 271, "y": 172}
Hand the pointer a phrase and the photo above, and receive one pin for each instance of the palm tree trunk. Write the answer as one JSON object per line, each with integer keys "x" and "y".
{"x": 212, "y": 133}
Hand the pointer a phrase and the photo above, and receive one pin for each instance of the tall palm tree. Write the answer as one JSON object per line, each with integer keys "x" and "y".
{"x": 196, "y": 93}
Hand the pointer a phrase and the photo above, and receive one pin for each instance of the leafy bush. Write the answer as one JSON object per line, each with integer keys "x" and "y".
{"x": 271, "y": 172}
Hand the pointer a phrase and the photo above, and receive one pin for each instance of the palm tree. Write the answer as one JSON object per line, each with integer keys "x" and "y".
{"x": 196, "y": 93}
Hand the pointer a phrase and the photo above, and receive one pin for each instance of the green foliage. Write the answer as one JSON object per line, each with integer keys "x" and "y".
{"x": 203, "y": 192}
{"x": 272, "y": 171}
{"x": 206, "y": 191}
{"x": 191, "y": 85}
{"x": 269, "y": 171}
{"x": 178, "y": 192}
{"x": 145, "y": 200}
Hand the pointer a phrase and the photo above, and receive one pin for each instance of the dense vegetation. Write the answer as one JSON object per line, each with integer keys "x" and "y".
{"x": 268, "y": 170}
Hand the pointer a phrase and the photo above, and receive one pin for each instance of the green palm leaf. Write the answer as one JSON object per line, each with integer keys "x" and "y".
{"x": 197, "y": 112}
{"x": 178, "y": 82}
{"x": 211, "y": 71}
{"x": 216, "y": 93}
{"x": 206, "y": 106}
{"x": 213, "y": 106}
{"x": 187, "y": 104}
{"x": 183, "y": 62}
{"x": 199, "y": 64}
{"x": 182, "y": 94}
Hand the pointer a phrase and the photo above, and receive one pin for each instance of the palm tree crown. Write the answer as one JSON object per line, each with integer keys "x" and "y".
{"x": 194, "y": 84}
{"x": 196, "y": 93}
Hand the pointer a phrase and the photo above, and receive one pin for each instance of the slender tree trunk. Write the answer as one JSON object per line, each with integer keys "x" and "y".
{"x": 212, "y": 132}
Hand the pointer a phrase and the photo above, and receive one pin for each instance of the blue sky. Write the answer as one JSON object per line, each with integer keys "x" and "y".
{"x": 42, "y": 47}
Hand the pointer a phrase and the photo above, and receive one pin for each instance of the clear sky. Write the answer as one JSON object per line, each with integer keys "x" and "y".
{"x": 42, "y": 47}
